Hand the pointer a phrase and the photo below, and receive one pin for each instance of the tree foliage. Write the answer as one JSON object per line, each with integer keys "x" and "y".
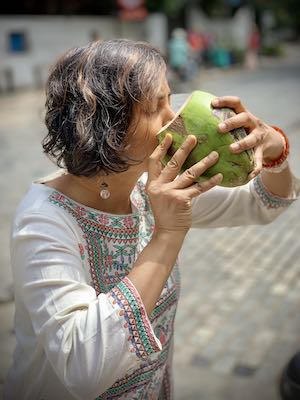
{"x": 169, "y": 7}
{"x": 286, "y": 12}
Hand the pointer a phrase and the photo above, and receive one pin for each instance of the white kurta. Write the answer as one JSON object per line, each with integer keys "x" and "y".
{"x": 82, "y": 330}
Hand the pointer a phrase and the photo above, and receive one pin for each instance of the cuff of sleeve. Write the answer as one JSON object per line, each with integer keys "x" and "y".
{"x": 141, "y": 334}
{"x": 270, "y": 200}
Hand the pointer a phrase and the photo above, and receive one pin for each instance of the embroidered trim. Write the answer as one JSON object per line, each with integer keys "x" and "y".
{"x": 268, "y": 199}
{"x": 164, "y": 303}
{"x": 166, "y": 386}
{"x": 141, "y": 336}
{"x": 138, "y": 378}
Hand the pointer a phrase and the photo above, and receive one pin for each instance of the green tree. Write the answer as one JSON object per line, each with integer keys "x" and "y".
{"x": 170, "y": 7}
{"x": 286, "y": 12}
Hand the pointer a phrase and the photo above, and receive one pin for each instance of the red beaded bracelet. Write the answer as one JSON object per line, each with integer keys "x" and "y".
{"x": 284, "y": 154}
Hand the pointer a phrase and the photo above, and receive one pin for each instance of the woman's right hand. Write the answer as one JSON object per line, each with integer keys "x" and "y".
{"x": 170, "y": 198}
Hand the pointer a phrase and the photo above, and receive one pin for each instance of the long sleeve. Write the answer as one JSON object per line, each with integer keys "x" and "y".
{"x": 244, "y": 205}
{"x": 89, "y": 340}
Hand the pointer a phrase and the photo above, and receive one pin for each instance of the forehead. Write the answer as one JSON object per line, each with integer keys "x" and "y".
{"x": 162, "y": 91}
{"x": 150, "y": 100}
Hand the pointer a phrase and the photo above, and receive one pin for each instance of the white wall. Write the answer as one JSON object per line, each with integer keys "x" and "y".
{"x": 231, "y": 32}
{"x": 50, "y": 36}
{"x": 156, "y": 30}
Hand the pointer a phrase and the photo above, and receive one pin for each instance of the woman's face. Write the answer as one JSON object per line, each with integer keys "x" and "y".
{"x": 147, "y": 122}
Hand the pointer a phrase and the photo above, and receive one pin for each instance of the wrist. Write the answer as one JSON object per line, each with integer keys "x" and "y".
{"x": 167, "y": 237}
{"x": 276, "y": 162}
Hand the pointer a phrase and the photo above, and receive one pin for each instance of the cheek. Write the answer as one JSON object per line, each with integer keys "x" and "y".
{"x": 145, "y": 139}
{"x": 149, "y": 142}
{"x": 154, "y": 127}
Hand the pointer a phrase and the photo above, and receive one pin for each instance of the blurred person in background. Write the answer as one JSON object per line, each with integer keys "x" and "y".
{"x": 196, "y": 43}
{"x": 94, "y": 247}
{"x": 253, "y": 49}
{"x": 179, "y": 54}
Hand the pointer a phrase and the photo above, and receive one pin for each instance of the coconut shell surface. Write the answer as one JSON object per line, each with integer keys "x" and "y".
{"x": 197, "y": 117}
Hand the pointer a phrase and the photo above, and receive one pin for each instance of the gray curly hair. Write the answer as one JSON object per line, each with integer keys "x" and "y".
{"x": 91, "y": 94}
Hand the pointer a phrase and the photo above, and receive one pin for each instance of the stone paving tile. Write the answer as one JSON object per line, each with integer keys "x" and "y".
{"x": 224, "y": 364}
{"x": 200, "y": 361}
{"x": 7, "y": 338}
{"x": 244, "y": 370}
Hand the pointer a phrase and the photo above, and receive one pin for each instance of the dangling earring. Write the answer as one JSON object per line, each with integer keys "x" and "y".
{"x": 104, "y": 192}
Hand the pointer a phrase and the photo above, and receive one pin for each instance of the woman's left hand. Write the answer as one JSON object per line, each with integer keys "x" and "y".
{"x": 262, "y": 138}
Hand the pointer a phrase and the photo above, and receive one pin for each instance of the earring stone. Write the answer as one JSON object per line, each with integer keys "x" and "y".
{"x": 104, "y": 192}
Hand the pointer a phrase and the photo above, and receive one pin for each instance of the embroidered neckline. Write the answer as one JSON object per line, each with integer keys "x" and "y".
{"x": 81, "y": 212}
{"x": 138, "y": 202}
{"x": 112, "y": 241}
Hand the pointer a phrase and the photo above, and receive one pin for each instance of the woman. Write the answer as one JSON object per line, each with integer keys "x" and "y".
{"x": 94, "y": 248}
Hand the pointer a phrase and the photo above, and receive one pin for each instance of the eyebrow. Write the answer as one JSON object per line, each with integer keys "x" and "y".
{"x": 162, "y": 95}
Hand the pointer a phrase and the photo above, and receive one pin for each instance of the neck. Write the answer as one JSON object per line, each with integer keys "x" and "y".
{"x": 87, "y": 191}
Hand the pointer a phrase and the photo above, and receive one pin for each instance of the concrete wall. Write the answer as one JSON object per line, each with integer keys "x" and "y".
{"x": 49, "y": 36}
{"x": 230, "y": 32}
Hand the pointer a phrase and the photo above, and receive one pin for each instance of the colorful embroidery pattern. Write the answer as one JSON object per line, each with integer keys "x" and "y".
{"x": 144, "y": 381}
{"x": 127, "y": 297}
{"x": 111, "y": 242}
{"x": 166, "y": 386}
{"x": 267, "y": 198}
{"x": 111, "y": 246}
{"x": 166, "y": 301}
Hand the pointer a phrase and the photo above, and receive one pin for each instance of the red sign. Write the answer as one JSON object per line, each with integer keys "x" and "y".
{"x": 130, "y": 4}
{"x": 132, "y": 10}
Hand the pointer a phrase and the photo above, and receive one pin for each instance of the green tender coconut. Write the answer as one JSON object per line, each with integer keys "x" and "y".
{"x": 197, "y": 117}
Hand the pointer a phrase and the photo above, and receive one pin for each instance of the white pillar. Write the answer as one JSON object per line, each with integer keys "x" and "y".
{"x": 156, "y": 30}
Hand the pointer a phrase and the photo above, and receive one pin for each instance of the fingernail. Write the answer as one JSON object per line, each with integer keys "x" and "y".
{"x": 213, "y": 155}
{"x": 254, "y": 173}
{"x": 215, "y": 102}
{"x": 191, "y": 138}
{"x": 235, "y": 146}
{"x": 222, "y": 126}
{"x": 217, "y": 178}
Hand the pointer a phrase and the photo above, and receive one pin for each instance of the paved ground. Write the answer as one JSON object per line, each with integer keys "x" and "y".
{"x": 238, "y": 319}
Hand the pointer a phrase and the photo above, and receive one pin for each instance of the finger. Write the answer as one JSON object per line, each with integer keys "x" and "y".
{"x": 258, "y": 153}
{"x": 155, "y": 159}
{"x": 201, "y": 187}
{"x": 233, "y": 102}
{"x": 189, "y": 176}
{"x": 249, "y": 142}
{"x": 238, "y": 121}
{"x": 173, "y": 167}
